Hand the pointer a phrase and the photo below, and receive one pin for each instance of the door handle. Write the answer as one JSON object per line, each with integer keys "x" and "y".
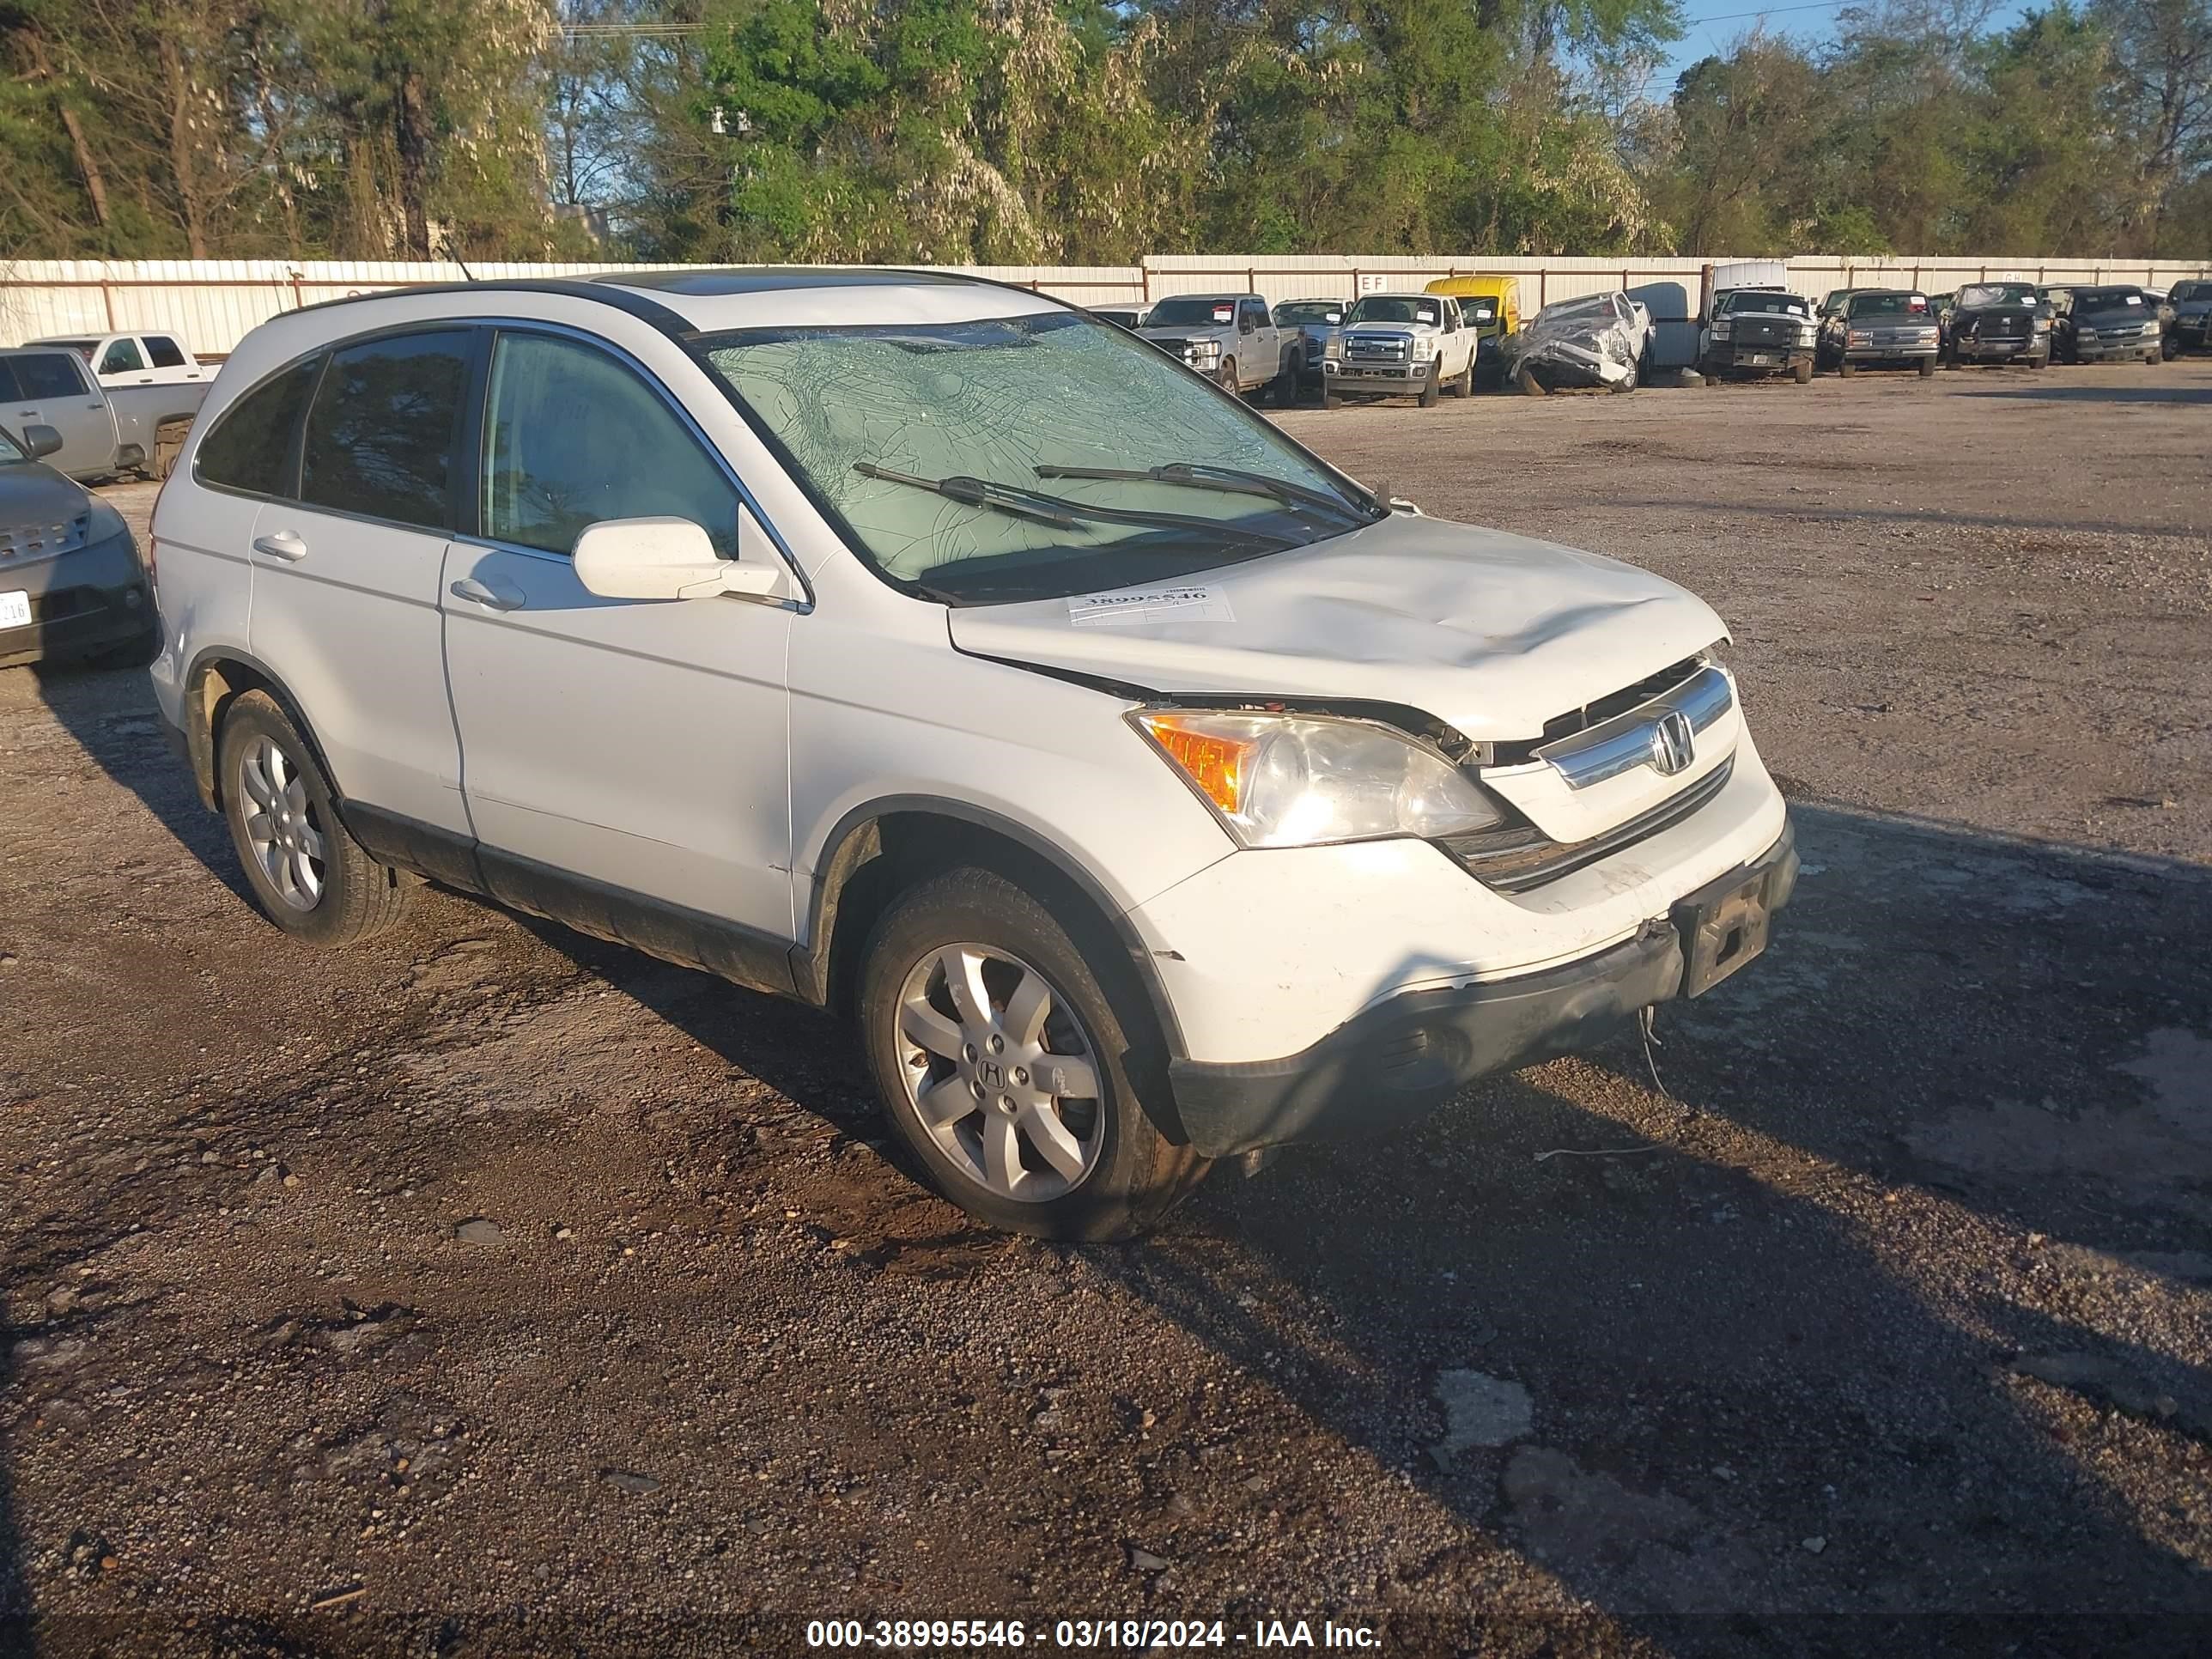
{"x": 282, "y": 545}
{"x": 499, "y": 598}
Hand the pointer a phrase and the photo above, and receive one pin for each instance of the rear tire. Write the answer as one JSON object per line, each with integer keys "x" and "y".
{"x": 1099, "y": 1166}
{"x": 306, "y": 873}
{"x": 1285, "y": 392}
{"x": 1463, "y": 387}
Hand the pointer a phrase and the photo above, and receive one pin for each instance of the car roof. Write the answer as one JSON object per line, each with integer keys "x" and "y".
{"x": 691, "y": 302}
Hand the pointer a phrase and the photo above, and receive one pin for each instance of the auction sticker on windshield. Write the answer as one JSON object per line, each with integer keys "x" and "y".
{"x": 14, "y": 609}
{"x": 1203, "y": 602}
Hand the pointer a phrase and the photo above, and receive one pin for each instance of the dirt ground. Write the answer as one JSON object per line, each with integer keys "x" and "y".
{"x": 1885, "y": 1328}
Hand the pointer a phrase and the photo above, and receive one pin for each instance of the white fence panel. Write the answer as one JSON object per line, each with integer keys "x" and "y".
{"x": 213, "y": 303}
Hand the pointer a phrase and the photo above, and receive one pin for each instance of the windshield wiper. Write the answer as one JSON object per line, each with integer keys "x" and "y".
{"x": 1062, "y": 513}
{"x": 976, "y": 492}
{"x": 1230, "y": 480}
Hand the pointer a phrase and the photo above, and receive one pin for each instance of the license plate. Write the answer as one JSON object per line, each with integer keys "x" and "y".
{"x": 1759, "y": 359}
{"x": 1722, "y": 927}
{"x": 14, "y": 609}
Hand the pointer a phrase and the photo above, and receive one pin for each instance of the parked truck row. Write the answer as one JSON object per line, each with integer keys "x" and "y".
{"x": 1464, "y": 333}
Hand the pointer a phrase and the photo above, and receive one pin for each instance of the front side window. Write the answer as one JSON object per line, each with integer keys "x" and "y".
{"x": 950, "y": 454}
{"x": 121, "y": 357}
{"x": 250, "y": 447}
{"x": 380, "y": 440}
{"x": 164, "y": 352}
{"x": 48, "y": 374}
{"x": 10, "y": 453}
{"x": 573, "y": 438}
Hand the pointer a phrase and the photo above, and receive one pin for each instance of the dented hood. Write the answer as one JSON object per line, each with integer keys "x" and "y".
{"x": 1495, "y": 633}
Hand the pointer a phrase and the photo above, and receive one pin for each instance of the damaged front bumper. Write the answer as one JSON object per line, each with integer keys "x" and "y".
{"x": 1404, "y": 1058}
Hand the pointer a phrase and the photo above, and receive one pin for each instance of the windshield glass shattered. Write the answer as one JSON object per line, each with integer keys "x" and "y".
{"x": 1975, "y": 296}
{"x": 889, "y": 426}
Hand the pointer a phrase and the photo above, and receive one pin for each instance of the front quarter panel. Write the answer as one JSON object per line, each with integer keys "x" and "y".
{"x": 883, "y": 709}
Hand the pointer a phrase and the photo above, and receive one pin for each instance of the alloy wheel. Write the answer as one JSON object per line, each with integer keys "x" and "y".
{"x": 1000, "y": 1073}
{"x": 281, "y": 824}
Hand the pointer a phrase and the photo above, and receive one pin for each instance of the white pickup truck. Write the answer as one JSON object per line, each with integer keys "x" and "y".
{"x": 1400, "y": 346}
{"x": 105, "y": 428}
{"x": 119, "y": 359}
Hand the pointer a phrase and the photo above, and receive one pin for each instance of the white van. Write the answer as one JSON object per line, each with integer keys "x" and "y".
{"x": 1148, "y": 791}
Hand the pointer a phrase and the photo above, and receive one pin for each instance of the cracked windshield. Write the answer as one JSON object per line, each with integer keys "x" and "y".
{"x": 1029, "y": 457}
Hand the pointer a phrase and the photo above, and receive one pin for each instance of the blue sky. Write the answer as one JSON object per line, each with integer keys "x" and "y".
{"x": 1714, "y": 25}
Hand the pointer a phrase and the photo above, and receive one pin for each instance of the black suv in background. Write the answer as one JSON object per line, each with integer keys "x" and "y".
{"x": 2101, "y": 324}
{"x": 1996, "y": 323}
{"x": 2192, "y": 315}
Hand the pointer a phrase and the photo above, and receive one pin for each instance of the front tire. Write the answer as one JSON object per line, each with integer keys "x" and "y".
{"x": 1802, "y": 371}
{"x": 1927, "y": 369}
{"x": 307, "y": 874}
{"x": 1226, "y": 380}
{"x": 1432, "y": 389}
{"x": 1845, "y": 369}
{"x": 1009, "y": 1072}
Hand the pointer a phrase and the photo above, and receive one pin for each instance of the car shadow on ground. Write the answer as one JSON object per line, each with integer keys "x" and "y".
{"x": 1826, "y": 511}
{"x": 2060, "y": 393}
{"x": 112, "y": 713}
{"x": 1756, "y": 1384}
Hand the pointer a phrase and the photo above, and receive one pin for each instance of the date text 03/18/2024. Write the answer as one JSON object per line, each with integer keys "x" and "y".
{"x": 1110, "y": 1635}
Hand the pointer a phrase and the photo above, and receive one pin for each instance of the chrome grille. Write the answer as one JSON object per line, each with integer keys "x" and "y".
{"x": 1377, "y": 348}
{"x": 41, "y": 541}
{"x": 1515, "y": 859}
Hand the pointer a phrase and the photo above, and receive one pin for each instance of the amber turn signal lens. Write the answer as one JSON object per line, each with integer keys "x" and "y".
{"x": 1220, "y": 766}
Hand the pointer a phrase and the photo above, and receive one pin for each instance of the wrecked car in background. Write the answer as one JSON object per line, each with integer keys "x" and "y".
{"x": 1317, "y": 322}
{"x": 1400, "y": 346}
{"x": 1230, "y": 338}
{"x": 2089, "y": 324}
{"x": 2192, "y": 315}
{"x": 1880, "y": 327}
{"x": 1756, "y": 332}
{"x": 1996, "y": 323}
{"x": 1598, "y": 340}
{"x": 1490, "y": 305}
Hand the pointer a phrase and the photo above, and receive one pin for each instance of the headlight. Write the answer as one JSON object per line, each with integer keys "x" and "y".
{"x": 106, "y": 522}
{"x": 1205, "y": 351}
{"x": 1861, "y": 339}
{"x": 1928, "y": 335}
{"x": 1720, "y": 331}
{"x": 2085, "y": 333}
{"x": 2043, "y": 325}
{"x": 1334, "y": 349}
{"x": 1305, "y": 781}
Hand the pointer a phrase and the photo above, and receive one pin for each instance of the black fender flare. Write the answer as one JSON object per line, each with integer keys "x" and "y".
{"x": 840, "y": 850}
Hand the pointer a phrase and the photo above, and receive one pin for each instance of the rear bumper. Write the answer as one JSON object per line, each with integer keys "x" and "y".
{"x": 1403, "y": 1057}
{"x": 81, "y": 602}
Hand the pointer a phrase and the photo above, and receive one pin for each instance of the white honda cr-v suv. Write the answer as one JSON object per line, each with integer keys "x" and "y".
{"x": 1148, "y": 790}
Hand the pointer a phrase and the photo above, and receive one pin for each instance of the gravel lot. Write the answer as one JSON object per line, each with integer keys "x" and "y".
{"x": 1885, "y": 1328}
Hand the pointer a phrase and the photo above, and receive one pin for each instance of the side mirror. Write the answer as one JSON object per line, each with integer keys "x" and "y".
{"x": 41, "y": 439}
{"x": 669, "y": 559}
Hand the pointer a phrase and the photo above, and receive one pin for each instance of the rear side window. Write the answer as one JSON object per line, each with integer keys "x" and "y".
{"x": 380, "y": 438}
{"x": 573, "y": 438}
{"x": 121, "y": 357}
{"x": 164, "y": 352}
{"x": 48, "y": 374}
{"x": 250, "y": 447}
